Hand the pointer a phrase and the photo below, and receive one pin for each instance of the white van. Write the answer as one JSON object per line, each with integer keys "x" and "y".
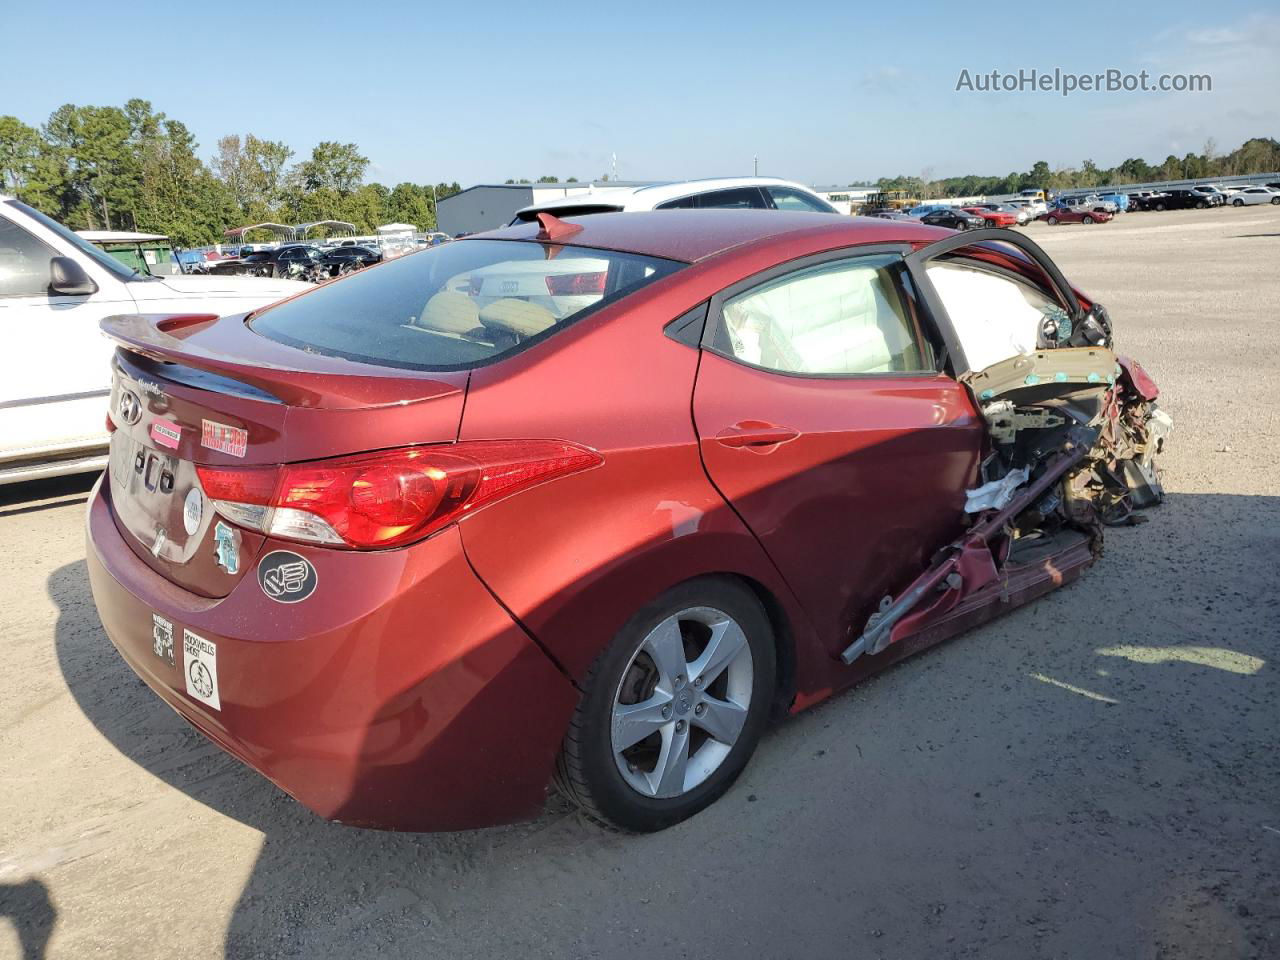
{"x": 55, "y": 370}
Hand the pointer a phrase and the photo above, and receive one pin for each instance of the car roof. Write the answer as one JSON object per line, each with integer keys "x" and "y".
{"x": 693, "y": 235}
{"x": 654, "y": 193}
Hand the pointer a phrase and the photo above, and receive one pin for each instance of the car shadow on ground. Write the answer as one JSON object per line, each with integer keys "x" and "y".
{"x": 1098, "y": 766}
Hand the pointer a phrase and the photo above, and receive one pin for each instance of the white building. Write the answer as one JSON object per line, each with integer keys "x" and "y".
{"x": 845, "y": 199}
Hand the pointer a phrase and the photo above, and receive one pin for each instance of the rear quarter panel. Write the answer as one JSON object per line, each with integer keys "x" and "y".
{"x": 574, "y": 559}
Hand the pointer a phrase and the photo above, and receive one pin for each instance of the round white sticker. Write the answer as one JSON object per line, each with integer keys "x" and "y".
{"x": 192, "y": 511}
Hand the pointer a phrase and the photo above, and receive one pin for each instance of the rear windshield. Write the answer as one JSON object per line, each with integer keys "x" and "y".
{"x": 459, "y": 305}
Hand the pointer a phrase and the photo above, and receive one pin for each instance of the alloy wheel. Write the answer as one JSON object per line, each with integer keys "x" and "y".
{"x": 682, "y": 702}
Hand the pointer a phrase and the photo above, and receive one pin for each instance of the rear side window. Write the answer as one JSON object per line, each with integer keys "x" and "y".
{"x": 738, "y": 198}
{"x": 785, "y": 198}
{"x": 843, "y": 318}
{"x": 459, "y": 305}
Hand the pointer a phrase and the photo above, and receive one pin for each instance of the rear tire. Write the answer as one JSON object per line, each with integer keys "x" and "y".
{"x": 1159, "y": 206}
{"x": 1275, "y": 200}
{"x": 1051, "y": 221}
{"x": 1237, "y": 202}
{"x": 1086, "y": 219}
{"x": 702, "y": 657}
{"x": 1201, "y": 205}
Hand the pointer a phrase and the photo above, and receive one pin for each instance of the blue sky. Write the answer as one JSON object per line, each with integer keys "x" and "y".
{"x": 821, "y": 92}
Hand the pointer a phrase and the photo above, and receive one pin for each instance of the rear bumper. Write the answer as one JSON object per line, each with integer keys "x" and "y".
{"x": 399, "y": 695}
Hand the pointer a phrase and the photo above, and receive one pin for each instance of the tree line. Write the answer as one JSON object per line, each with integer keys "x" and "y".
{"x": 1257, "y": 155}
{"x": 131, "y": 168}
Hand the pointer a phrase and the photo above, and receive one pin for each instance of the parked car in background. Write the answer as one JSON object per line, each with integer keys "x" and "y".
{"x": 55, "y": 375}
{"x": 1019, "y": 213}
{"x": 1215, "y": 196}
{"x": 346, "y": 259}
{"x": 732, "y": 193}
{"x": 922, "y": 209}
{"x": 1120, "y": 200}
{"x": 1033, "y": 206}
{"x": 953, "y": 218}
{"x": 994, "y": 218}
{"x": 413, "y": 573}
{"x": 1249, "y": 196}
{"x": 284, "y": 260}
{"x": 1144, "y": 199}
{"x": 1181, "y": 198}
{"x": 1090, "y": 200}
{"x": 1080, "y": 214}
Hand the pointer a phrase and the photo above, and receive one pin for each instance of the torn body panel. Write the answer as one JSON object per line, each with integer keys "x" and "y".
{"x": 1073, "y": 433}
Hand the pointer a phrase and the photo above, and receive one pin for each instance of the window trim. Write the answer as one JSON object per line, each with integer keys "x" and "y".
{"x": 45, "y": 292}
{"x": 917, "y": 310}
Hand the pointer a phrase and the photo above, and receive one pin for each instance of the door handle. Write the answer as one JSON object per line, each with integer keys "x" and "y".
{"x": 755, "y": 433}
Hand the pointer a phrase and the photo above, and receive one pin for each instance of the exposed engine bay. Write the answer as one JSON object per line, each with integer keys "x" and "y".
{"x": 1073, "y": 435}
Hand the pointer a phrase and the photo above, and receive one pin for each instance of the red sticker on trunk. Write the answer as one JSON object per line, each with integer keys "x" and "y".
{"x": 166, "y": 435}
{"x": 224, "y": 438}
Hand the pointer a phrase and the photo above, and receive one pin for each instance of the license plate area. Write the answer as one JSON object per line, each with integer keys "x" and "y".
{"x": 150, "y": 490}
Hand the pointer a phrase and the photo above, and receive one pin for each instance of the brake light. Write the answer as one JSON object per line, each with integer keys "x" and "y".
{"x": 389, "y": 498}
{"x": 111, "y": 424}
{"x": 575, "y": 284}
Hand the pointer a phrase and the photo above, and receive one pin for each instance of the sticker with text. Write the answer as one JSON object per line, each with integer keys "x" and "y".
{"x": 200, "y": 664}
{"x": 162, "y": 638}
{"x": 224, "y": 438}
{"x": 166, "y": 434}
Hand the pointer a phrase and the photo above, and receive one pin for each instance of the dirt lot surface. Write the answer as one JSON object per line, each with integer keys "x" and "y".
{"x": 1093, "y": 776}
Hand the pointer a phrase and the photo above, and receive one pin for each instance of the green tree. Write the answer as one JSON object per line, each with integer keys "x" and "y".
{"x": 337, "y": 166}
{"x": 19, "y": 152}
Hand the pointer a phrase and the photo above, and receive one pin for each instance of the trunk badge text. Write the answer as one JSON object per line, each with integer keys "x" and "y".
{"x": 226, "y": 547}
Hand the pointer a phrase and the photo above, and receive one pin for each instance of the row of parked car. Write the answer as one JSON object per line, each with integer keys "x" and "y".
{"x": 1085, "y": 208}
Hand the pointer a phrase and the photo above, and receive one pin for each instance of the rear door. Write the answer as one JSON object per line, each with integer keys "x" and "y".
{"x": 824, "y": 420}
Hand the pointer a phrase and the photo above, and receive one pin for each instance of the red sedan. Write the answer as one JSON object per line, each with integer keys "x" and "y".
{"x": 591, "y": 502}
{"x": 994, "y": 218}
{"x": 1074, "y": 215}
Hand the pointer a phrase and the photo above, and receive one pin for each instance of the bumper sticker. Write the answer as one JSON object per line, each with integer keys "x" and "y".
{"x": 162, "y": 638}
{"x": 200, "y": 666}
{"x": 286, "y": 577}
{"x": 166, "y": 435}
{"x": 223, "y": 438}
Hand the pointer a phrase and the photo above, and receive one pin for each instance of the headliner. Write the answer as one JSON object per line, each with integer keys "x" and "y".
{"x": 693, "y": 235}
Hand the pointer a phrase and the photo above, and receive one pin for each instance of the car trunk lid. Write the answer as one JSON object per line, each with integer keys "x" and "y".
{"x": 194, "y": 391}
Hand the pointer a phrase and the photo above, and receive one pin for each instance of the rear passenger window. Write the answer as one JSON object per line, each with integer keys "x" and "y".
{"x": 784, "y": 198}
{"x": 24, "y": 262}
{"x": 739, "y": 198}
{"x": 845, "y": 317}
{"x": 684, "y": 203}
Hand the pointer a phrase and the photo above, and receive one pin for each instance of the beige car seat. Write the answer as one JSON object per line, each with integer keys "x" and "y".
{"x": 449, "y": 312}
{"x": 519, "y": 317}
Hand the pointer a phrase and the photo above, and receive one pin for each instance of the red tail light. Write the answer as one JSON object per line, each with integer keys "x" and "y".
{"x": 575, "y": 284}
{"x": 111, "y": 424}
{"x": 389, "y": 498}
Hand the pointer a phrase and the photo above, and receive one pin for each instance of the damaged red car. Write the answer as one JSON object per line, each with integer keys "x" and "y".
{"x": 590, "y": 502}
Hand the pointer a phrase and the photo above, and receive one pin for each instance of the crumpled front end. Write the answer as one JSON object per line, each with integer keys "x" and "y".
{"x": 1074, "y": 434}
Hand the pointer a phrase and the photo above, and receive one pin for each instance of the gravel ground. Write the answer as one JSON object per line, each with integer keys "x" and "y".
{"x": 1092, "y": 776}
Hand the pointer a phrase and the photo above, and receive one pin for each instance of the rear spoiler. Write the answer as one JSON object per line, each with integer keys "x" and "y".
{"x": 230, "y": 349}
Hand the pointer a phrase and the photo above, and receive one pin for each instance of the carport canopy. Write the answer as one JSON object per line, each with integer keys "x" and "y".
{"x": 302, "y": 229}
{"x": 279, "y": 229}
